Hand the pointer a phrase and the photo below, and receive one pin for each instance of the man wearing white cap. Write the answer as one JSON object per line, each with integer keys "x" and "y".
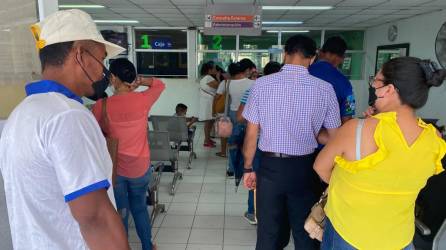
{"x": 53, "y": 156}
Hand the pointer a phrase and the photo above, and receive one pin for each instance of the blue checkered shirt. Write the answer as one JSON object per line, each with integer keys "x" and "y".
{"x": 291, "y": 107}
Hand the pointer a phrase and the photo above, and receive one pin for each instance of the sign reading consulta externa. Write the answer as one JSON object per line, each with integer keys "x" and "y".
{"x": 233, "y": 19}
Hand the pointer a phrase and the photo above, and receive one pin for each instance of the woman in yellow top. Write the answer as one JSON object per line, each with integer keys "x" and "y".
{"x": 382, "y": 162}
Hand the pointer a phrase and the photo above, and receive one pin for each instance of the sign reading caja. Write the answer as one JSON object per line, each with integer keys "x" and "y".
{"x": 155, "y": 43}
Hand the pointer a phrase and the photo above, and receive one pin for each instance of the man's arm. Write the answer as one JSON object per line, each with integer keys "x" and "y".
{"x": 250, "y": 143}
{"x": 332, "y": 119}
{"x": 345, "y": 119}
{"x": 78, "y": 153}
{"x": 249, "y": 150}
{"x": 325, "y": 135}
{"x": 99, "y": 223}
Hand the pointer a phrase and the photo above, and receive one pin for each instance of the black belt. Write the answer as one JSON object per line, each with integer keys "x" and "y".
{"x": 280, "y": 155}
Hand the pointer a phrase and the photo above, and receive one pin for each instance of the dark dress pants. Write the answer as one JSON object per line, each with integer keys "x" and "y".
{"x": 285, "y": 195}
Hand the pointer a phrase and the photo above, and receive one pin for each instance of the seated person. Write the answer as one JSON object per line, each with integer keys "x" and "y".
{"x": 181, "y": 111}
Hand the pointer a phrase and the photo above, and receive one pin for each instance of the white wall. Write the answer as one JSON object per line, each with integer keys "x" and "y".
{"x": 361, "y": 92}
{"x": 177, "y": 91}
{"x": 420, "y": 32}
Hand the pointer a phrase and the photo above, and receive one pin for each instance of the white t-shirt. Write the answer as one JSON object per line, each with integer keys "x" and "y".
{"x": 205, "y": 89}
{"x": 51, "y": 152}
{"x": 236, "y": 90}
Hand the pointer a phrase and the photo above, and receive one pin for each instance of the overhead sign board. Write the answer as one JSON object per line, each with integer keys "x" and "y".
{"x": 233, "y": 19}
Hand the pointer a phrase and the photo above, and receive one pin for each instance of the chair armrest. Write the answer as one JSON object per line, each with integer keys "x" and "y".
{"x": 156, "y": 176}
{"x": 158, "y": 167}
{"x": 422, "y": 228}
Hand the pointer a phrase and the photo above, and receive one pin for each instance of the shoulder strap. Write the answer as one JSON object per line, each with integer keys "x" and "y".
{"x": 358, "y": 138}
{"x": 228, "y": 82}
{"x": 104, "y": 117}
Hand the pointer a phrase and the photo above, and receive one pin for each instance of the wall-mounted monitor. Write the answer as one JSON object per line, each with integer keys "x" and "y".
{"x": 118, "y": 38}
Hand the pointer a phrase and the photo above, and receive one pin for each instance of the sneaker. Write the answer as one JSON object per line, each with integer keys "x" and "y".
{"x": 250, "y": 218}
{"x": 229, "y": 174}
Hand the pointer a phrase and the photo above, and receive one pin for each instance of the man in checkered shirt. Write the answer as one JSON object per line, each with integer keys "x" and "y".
{"x": 292, "y": 111}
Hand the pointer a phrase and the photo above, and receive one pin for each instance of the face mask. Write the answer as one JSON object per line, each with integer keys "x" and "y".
{"x": 100, "y": 86}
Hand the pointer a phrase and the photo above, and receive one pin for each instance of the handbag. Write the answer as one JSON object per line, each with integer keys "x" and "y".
{"x": 218, "y": 106}
{"x": 223, "y": 125}
{"x": 315, "y": 222}
{"x": 112, "y": 143}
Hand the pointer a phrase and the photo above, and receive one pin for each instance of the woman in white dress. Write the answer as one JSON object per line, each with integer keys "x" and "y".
{"x": 208, "y": 87}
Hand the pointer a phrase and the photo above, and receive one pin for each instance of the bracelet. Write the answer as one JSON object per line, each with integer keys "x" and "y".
{"x": 247, "y": 170}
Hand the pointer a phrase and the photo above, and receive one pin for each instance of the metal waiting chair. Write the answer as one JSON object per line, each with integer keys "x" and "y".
{"x": 153, "y": 191}
{"x": 161, "y": 151}
{"x": 439, "y": 242}
{"x": 440, "y": 238}
{"x": 430, "y": 214}
{"x": 178, "y": 133}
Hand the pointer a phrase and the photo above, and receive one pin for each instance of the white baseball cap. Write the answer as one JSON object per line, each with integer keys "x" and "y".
{"x": 70, "y": 25}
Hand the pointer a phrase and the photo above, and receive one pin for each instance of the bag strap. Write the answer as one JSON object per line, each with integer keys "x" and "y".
{"x": 104, "y": 117}
{"x": 207, "y": 92}
{"x": 358, "y": 138}
{"x": 227, "y": 83}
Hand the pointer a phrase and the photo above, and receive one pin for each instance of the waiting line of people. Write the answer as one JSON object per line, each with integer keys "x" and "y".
{"x": 375, "y": 167}
{"x": 379, "y": 164}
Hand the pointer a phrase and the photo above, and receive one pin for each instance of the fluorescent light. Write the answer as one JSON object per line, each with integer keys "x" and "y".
{"x": 116, "y": 21}
{"x": 282, "y": 22}
{"x": 81, "y": 6}
{"x": 288, "y": 31}
{"x": 297, "y": 7}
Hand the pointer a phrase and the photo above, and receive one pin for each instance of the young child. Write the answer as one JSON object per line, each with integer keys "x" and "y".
{"x": 181, "y": 111}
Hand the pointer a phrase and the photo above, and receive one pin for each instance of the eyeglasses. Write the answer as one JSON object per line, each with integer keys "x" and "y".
{"x": 106, "y": 73}
{"x": 373, "y": 80}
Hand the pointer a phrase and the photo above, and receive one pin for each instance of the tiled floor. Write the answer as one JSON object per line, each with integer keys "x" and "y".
{"x": 205, "y": 213}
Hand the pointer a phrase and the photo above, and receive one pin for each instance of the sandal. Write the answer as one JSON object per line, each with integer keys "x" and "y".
{"x": 209, "y": 145}
{"x": 220, "y": 154}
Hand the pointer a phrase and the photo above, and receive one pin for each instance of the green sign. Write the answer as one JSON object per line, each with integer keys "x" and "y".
{"x": 216, "y": 42}
{"x": 145, "y": 42}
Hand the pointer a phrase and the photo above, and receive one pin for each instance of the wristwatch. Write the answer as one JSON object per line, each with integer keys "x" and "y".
{"x": 247, "y": 170}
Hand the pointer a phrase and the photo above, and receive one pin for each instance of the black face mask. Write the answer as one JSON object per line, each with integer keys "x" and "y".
{"x": 100, "y": 86}
{"x": 372, "y": 96}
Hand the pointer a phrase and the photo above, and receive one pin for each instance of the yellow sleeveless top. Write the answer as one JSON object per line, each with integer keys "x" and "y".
{"x": 371, "y": 201}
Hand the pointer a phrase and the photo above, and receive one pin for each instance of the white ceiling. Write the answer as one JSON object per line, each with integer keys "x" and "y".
{"x": 186, "y": 13}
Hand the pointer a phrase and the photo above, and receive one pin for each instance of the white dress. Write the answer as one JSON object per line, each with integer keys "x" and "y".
{"x": 206, "y": 98}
